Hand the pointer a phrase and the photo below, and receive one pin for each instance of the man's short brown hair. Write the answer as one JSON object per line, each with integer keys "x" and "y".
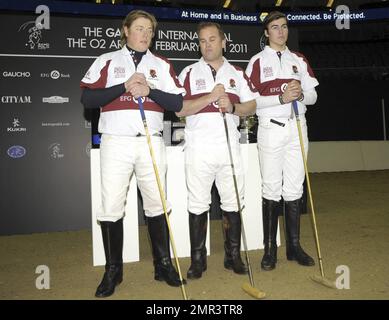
{"x": 203, "y": 25}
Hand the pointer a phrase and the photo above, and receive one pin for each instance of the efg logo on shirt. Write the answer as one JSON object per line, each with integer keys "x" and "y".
{"x": 283, "y": 86}
{"x": 120, "y": 72}
{"x": 279, "y": 89}
{"x": 136, "y": 100}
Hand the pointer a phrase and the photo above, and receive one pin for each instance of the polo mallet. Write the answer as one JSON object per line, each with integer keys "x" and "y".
{"x": 162, "y": 195}
{"x": 319, "y": 279}
{"x": 249, "y": 288}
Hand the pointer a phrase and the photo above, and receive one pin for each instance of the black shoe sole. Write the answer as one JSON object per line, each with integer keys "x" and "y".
{"x": 268, "y": 268}
{"x": 172, "y": 284}
{"x": 194, "y": 276}
{"x": 105, "y": 294}
{"x": 228, "y": 267}
{"x": 300, "y": 263}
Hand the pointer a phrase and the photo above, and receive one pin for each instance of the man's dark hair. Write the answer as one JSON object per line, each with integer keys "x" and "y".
{"x": 274, "y": 15}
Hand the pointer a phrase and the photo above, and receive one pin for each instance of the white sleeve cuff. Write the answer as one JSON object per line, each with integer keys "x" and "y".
{"x": 267, "y": 101}
{"x": 310, "y": 97}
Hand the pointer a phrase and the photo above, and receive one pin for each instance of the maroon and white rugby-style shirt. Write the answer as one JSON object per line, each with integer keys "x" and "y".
{"x": 122, "y": 116}
{"x": 270, "y": 72}
{"x": 206, "y": 126}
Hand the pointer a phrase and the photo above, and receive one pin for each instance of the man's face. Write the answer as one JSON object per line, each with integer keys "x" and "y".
{"x": 139, "y": 34}
{"x": 211, "y": 44}
{"x": 277, "y": 31}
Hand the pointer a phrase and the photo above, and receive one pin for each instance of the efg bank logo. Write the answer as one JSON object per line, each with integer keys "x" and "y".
{"x": 55, "y": 151}
{"x": 16, "y": 126}
{"x": 55, "y": 75}
{"x": 55, "y": 99}
{"x": 34, "y": 29}
{"x": 16, "y": 152}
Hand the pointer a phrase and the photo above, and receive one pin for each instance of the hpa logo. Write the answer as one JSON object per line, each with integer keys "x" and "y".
{"x": 16, "y": 152}
{"x": 34, "y": 29}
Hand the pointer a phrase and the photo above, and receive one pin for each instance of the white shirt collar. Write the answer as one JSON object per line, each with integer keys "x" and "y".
{"x": 202, "y": 61}
{"x": 270, "y": 50}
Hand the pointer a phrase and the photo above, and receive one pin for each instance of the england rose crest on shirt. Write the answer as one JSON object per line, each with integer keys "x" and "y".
{"x": 152, "y": 79}
{"x": 153, "y": 73}
{"x": 232, "y": 84}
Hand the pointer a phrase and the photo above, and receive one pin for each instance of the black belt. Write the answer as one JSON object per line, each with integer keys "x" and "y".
{"x": 277, "y": 122}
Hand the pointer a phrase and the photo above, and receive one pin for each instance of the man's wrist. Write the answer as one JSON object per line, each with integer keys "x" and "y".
{"x": 281, "y": 99}
{"x": 301, "y": 97}
{"x": 233, "y": 109}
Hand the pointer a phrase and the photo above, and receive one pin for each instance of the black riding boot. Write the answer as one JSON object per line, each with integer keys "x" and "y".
{"x": 113, "y": 247}
{"x": 292, "y": 226}
{"x": 270, "y": 210}
{"x": 232, "y": 233}
{"x": 198, "y": 253}
{"x": 163, "y": 267}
